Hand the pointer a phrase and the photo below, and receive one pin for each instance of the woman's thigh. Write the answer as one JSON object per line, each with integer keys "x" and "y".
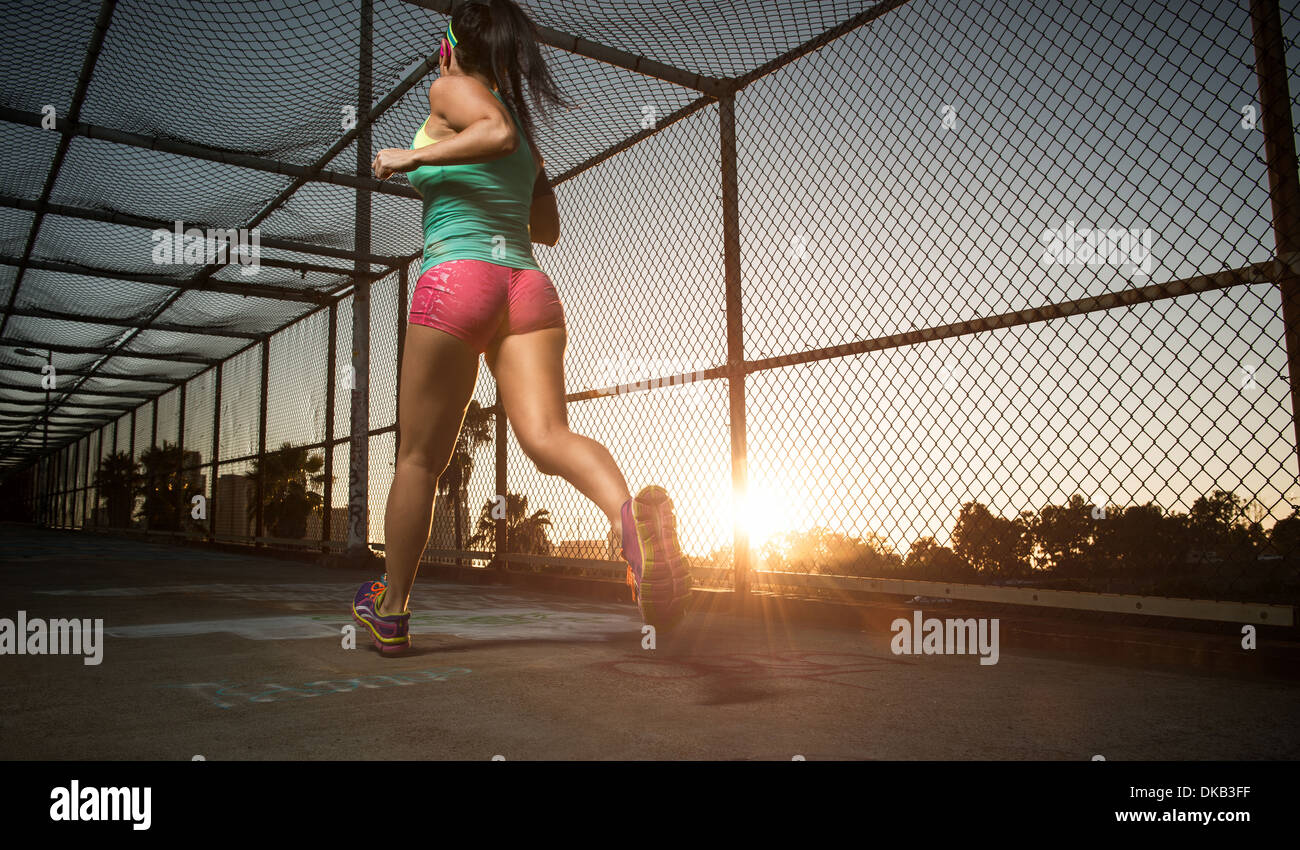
{"x": 529, "y": 371}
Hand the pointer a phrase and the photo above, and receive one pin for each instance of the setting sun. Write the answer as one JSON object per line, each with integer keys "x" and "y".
{"x": 762, "y": 514}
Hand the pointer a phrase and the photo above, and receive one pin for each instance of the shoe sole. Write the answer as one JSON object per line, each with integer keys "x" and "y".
{"x": 384, "y": 648}
{"x": 665, "y": 578}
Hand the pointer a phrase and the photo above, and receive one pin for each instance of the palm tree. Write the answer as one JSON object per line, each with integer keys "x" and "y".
{"x": 166, "y": 493}
{"x": 118, "y": 481}
{"x": 527, "y": 534}
{"x": 475, "y": 432}
{"x": 287, "y": 500}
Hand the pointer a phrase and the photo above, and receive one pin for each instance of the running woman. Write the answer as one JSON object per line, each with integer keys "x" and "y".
{"x": 480, "y": 291}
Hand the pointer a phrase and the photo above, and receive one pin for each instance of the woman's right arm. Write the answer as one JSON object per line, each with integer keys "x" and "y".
{"x": 483, "y": 129}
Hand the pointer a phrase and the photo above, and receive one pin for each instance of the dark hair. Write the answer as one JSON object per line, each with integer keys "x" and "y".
{"x": 496, "y": 39}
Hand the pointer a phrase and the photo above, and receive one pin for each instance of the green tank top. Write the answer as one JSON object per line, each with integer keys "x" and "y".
{"x": 478, "y": 211}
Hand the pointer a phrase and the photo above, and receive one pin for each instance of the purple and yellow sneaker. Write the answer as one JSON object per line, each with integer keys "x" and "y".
{"x": 657, "y": 571}
{"x": 631, "y": 549}
{"x": 391, "y": 635}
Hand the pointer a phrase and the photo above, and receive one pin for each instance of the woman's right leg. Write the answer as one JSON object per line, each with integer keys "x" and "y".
{"x": 439, "y": 372}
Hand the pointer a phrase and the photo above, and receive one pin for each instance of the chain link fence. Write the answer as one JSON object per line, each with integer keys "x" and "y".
{"x": 904, "y": 297}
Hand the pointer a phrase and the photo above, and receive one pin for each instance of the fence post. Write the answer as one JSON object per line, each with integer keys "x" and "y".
{"x": 331, "y": 379}
{"x": 83, "y": 468}
{"x": 502, "y": 527}
{"x": 86, "y": 488}
{"x": 99, "y": 464}
{"x": 1283, "y": 185}
{"x": 180, "y": 453}
{"x": 153, "y": 443}
{"x": 76, "y": 471}
{"x": 216, "y": 455}
{"x": 70, "y": 475}
{"x": 91, "y": 464}
{"x": 89, "y": 486}
{"x": 403, "y": 295}
{"x": 131, "y": 448}
{"x": 358, "y": 465}
{"x": 117, "y": 427}
{"x": 63, "y": 487}
{"x": 259, "y": 529}
{"x": 735, "y": 336}
{"x": 70, "y": 512}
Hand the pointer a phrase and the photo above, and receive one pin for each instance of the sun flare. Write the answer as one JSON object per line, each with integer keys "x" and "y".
{"x": 762, "y": 514}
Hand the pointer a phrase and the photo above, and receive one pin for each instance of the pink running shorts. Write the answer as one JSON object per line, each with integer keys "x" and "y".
{"x": 478, "y": 302}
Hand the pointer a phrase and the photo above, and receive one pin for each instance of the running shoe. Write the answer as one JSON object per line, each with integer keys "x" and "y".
{"x": 631, "y": 549}
{"x": 391, "y": 634}
{"x": 657, "y": 570}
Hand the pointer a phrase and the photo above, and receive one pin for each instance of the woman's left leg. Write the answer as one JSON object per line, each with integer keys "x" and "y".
{"x": 527, "y": 360}
{"x": 529, "y": 371}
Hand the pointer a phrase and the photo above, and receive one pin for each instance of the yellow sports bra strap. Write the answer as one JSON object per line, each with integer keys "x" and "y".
{"x": 422, "y": 138}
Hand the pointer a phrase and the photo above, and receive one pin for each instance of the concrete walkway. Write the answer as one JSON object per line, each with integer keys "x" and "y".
{"x": 237, "y": 657}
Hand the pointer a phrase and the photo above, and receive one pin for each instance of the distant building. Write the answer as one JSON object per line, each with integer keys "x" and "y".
{"x": 234, "y": 494}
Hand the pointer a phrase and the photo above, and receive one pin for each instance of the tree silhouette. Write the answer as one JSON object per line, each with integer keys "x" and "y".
{"x": 527, "y": 534}
{"x": 1062, "y": 537}
{"x": 118, "y": 481}
{"x": 995, "y": 546}
{"x": 1140, "y": 541}
{"x": 166, "y": 493}
{"x": 1219, "y": 521}
{"x": 287, "y": 474}
{"x": 1219, "y": 550}
{"x": 475, "y": 432}
{"x": 929, "y": 561}
{"x": 1285, "y": 535}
